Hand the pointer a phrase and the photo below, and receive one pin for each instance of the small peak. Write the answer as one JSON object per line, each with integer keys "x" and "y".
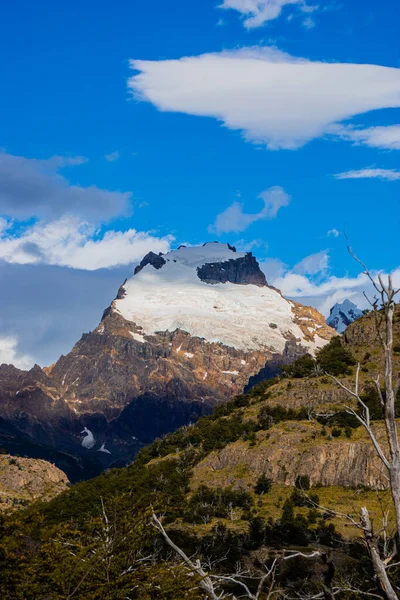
{"x": 156, "y": 260}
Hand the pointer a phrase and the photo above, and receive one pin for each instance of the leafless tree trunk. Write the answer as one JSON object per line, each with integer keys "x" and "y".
{"x": 385, "y": 295}
{"x": 212, "y": 584}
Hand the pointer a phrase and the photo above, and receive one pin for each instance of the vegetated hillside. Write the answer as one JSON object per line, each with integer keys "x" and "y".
{"x": 240, "y": 485}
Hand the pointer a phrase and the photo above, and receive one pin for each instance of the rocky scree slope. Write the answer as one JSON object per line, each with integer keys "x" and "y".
{"x": 189, "y": 330}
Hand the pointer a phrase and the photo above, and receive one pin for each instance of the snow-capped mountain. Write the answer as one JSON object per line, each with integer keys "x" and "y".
{"x": 217, "y": 294}
{"x": 188, "y": 330}
{"x": 341, "y": 315}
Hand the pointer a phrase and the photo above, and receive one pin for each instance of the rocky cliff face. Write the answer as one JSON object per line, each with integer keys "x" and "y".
{"x": 189, "y": 330}
{"x": 23, "y": 480}
{"x": 288, "y": 451}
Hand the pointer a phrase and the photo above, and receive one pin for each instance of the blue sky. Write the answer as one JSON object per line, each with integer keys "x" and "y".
{"x": 150, "y": 178}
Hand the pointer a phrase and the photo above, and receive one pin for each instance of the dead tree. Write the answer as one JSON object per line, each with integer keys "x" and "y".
{"x": 383, "y": 307}
{"x": 213, "y": 584}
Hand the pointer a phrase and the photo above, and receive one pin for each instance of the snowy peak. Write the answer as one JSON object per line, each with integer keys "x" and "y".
{"x": 217, "y": 294}
{"x": 342, "y": 315}
{"x": 213, "y": 263}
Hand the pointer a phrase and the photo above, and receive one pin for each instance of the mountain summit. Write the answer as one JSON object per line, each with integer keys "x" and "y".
{"x": 187, "y": 331}
{"x": 217, "y": 294}
{"x": 341, "y": 315}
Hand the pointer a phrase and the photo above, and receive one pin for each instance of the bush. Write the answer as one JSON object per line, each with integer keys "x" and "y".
{"x": 302, "y": 367}
{"x": 208, "y": 503}
{"x": 263, "y": 485}
{"x": 335, "y": 359}
{"x": 336, "y": 432}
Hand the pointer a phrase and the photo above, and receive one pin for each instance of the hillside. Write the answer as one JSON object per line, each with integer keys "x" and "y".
{"x": 189, "y": 330}
{"x": 229, "y": 488}
{"x": 24, "y": 480}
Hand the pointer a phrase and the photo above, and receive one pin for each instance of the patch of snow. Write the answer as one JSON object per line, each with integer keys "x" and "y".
{"x": 178, "y": 349}
{"x": 189, "y": 354}
{"x": 231, "y": 372}
{"x": 311, "y": 329}
{"x": 63, "y": 380}
{"x": 103, "y": 449}
{"x": 243, "y": 362}
{"x": 89, "y": 440}
{"x": 174, "y": 297}
{"x": 100, "y": 329}
{"x": 137, "y": 337}
{"x": 205, "y": 376}
{"x": 319, "y": 342}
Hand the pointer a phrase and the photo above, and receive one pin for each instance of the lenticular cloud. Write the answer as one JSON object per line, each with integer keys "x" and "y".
{"x": 273, "y": 98}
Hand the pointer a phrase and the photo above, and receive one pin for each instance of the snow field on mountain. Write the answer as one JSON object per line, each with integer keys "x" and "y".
{"x": 174, "y": 297}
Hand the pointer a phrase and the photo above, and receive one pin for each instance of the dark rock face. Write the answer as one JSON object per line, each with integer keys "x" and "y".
{"x": 156, "y": 260}
{"x": 243, "y": 270}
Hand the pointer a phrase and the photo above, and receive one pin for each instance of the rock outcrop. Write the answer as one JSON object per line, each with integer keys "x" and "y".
{"x": 24, "y": 480}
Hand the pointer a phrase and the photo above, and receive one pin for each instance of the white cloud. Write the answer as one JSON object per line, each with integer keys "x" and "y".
{"x": 113, "y": 156}
{"x": 313, "y": 264}
{"x": 308, "y": 23}
{"x": 370, "y": 173}
{"x": 333, "y": 233}
{"x": 309, "y": 283}
{"x": 233, "y": 219}
{"x": 273, "y": 268}
{"x": 270, "y": 96}
{"x": 9, "y": 353}
{"x": 35, "y": 188}
{"x": 384, "y": 137}
{"x": 71, "y": 243}
{"x": 259, "y": 12}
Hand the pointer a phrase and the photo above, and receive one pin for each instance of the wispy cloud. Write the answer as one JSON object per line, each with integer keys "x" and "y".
{"x": 113, "y": 156}
{"x": 370, "y": 173}
{"x": 384, "y": 137}
{"x": 234, "y": 219}
{"x": 333, "y": 233}
{"x": 313, "y": 264}
{"x": 271, "y": 97}
{"x": 258, "y": 12}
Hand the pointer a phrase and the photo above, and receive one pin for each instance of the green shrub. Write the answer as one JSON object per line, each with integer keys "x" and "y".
{"x": 334, "y": 358}
{"x": 208, "y": 503}
{"x": 302, "y": 367}
{"x": 263, "y": 485}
